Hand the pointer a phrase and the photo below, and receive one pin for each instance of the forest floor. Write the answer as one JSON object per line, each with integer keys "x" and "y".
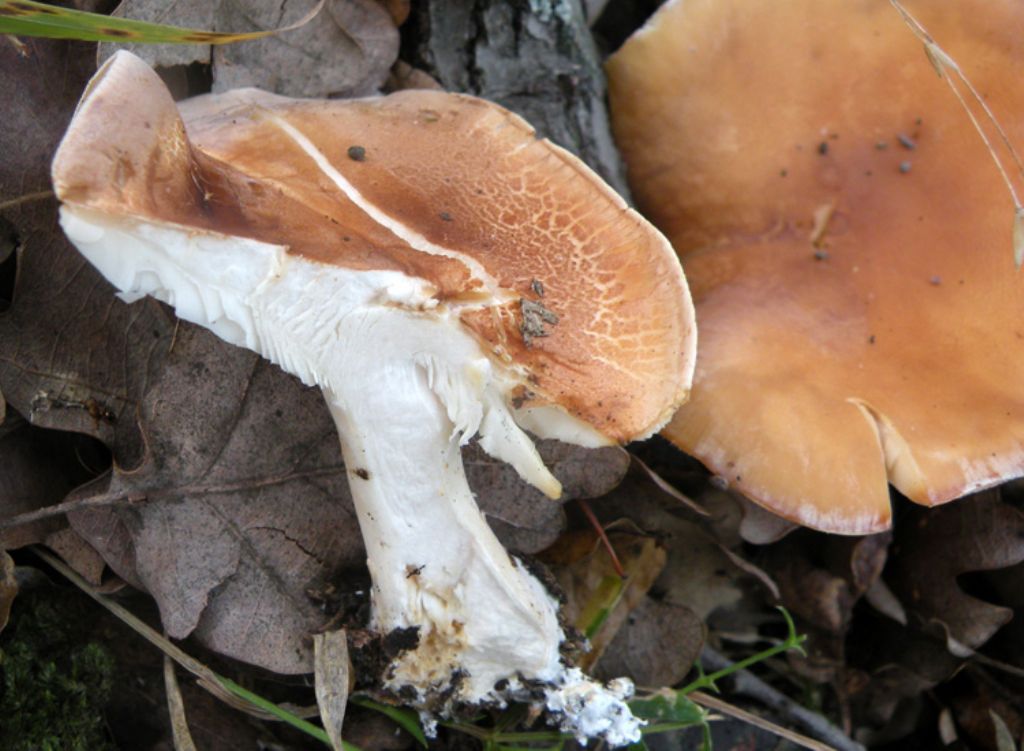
{"x": 130, "y": 450}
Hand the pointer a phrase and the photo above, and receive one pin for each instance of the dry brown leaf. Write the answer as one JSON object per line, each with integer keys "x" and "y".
{"x": 1008, "y": 585}
{"x": 25, "y": 483}
{"x": 8, "y": 587}
{"x": 974, "y": 707}
{"x": 40, "y": 89}
{"x": 671, "y": 497}
{"x": 882, "y": 599}
{"x": 931, "y": 552}
{"x": 346, "y": 50}
{"x": 698, "y": 575}
{"x": 524, "y": 519}
{"x": 932, "y": 549}
{"x": 700, "y": 578}
{"x": 39, "y": 468}
{"x": 70, "y": 356}
{"x": 595, "y": 593}
{"x": 333, "y": 679}
{"x": 822, "y": 577}
{"x": 656, "y": 646}
{"x": 247, "y": 505}
{"x": 80, "y": 555}
{"x": 58, "y": 367}
{"x": 74, "y": 358}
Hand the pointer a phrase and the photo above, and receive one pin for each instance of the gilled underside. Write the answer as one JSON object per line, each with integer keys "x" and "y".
{"x": 427, "y": 315}
{"x": 406, "y": 386}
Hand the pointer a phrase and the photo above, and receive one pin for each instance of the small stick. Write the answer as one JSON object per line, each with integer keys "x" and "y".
{"x": 589, "y": 513}
{"x": 749, "y": 685}
{"x": 223, "y": 688}
{"x": 66, "y": 507}
{"x": 176, "y": 708}
{"x": 111, "y": 499}
{"x": 27, "y": 198}
{"x": 725, "y": 708}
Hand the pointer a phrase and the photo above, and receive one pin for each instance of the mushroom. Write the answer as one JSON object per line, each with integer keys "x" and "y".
{"x": 440, "y": 273}
{"x": 847, "y": 241}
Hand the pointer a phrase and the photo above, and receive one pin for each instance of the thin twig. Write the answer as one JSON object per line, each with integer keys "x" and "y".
{"x": 221, "y": 687}
{"x": 117, "y": 499}
{"x": 48, "y": 512}
{"x": 592, "y": 518}
{"x": 27, "y": 198}
{"x": 725, "y": 708}
{"x": 176, "y": 709}
{"x": 749, "y": 685}
{"x": 668, "y": 488}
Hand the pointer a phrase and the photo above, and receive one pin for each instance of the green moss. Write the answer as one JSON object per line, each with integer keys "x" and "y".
{"x": 54, "y": 683}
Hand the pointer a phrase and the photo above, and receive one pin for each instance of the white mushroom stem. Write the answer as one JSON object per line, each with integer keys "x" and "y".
{"x": 406, "y": 385}
{"x": 434, "y": 562}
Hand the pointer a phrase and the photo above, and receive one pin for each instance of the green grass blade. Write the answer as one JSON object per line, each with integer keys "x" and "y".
{"x": 186, "y": 661}
{"x": 402, "y": 717}
{"x": 667, "y": 707}
{"x": 601, "y": 605}
{"x": 280, "y": 713}
{"x": 794, "y": 641}
{"x": 28, "y": 18}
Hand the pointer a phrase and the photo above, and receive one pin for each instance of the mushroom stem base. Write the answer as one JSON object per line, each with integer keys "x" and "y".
{"x": 435, "y": 563}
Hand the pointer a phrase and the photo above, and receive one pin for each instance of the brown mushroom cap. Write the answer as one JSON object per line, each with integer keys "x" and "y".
{"x": 468, "y": 181}
{"x": 848, "y": 242}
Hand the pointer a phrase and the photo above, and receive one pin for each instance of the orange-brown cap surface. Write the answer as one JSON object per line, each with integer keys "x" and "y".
{"x": 848, "y": 241}
{"x": 448, "y": 188}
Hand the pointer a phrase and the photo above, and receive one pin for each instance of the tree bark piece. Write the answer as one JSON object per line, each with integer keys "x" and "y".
{"x": 535, "y": 57}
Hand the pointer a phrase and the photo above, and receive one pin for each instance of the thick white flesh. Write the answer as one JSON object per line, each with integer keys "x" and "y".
{"x": 434, "y": 562}
{"x": 407, "y": 386}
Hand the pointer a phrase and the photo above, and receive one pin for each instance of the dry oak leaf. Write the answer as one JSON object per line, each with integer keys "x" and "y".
{"x": 40, "y": 467}
{"x": 8, "y": 587}
{"x": 931, "y": 550}
{"x": 656, "y": 646}
{"x": 700, "y": 573}
{"x": 71, "y": 357}
{"x": 821, "y": 578}
{"x": 523, "y": 518}
{"x": 848, "y": 242}
{"x": 1007, "y": 586}
{"x": 347, "y": 49}
{"x": 240, "y": 506}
